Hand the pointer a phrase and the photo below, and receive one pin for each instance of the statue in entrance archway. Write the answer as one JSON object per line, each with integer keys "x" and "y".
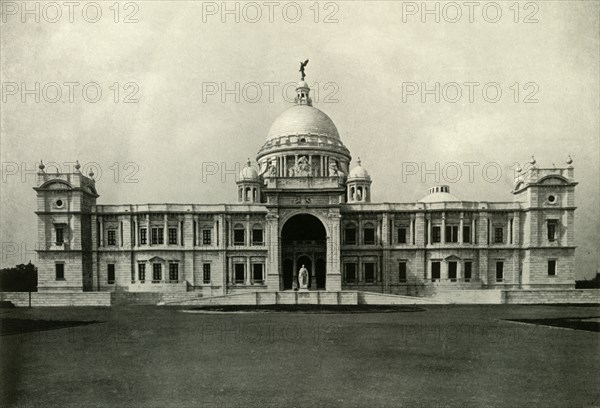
{"x": 303, "y": 278}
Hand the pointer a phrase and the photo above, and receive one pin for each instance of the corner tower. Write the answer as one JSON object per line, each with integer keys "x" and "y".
{"x": 547, "y": 196}
{"x": 65, "y": 230}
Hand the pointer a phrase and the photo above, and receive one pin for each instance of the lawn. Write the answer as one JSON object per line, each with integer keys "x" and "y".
{"x": 431, "y": 356}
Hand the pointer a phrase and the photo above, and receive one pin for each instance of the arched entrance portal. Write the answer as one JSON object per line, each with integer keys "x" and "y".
{"x": 303, "y": 242}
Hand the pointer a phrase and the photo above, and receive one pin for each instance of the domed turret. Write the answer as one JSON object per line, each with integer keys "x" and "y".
{"x": 359, "y": 172}
{"x": 359, "y": 184}
{"x": 248, "y": 173}
{"x": 248, "y": 184}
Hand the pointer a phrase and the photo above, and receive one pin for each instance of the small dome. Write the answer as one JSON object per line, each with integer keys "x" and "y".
{"x": 359, "y": 172}
{"x": 302, "y": 84}
{"x": 439, "y": 194}
{"x": 248, "y": 173}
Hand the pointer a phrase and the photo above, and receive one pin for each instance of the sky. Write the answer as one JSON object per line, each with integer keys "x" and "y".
{"x": 164, "y": 100}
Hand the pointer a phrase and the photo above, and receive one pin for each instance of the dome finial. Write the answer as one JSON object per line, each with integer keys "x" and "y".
{"x": 248, "y": 163}
{"x": 77, "y": 165}
{"x": 91, "y": 174}
{"x": 532, "y": 161}
{"x": 302, "y": 67}
{"x": 41, "y": 166}
{"x": 358, "y": 161}
{"x": 569, "y": 160}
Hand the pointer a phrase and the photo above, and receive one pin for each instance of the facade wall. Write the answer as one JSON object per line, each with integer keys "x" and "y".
{"x": 416, "y": 248}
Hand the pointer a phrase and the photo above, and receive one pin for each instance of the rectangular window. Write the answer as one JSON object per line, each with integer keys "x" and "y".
{"x": 257, "y": 272}
{"x": 552, "y": 267}
{"x": 239, "y": 272}
{"x": 435, "y": 270}
{"x": 60, "y": 234}
{"x": 206, "y": 237}
{"x": 498, "y": 235}
{"x": 239, "y": 237}
{"x": 111, "y": 236}
{"x": 59, "y": 269}
{"x": 143, "y": 236}
{"x": 369, "y": 268}
{"x": 156, "y": 272}
{"x": 257, "y": 236}
{"x": 468, "y": 270}
{"x": 466, "y": 234}
{"x": 110, "y": 274}
{"x": 451, "y": 233}
{"x": 436, "y": 233}
{"x": 142, "y": 272}
{"x": 402, "y": 271}
{"x": 173, "y": 271}
{"x": 452, "y": 268}
{"x": 552, "y": 230}
{"x": 402, "y": 235}
{"x": 350, "y": 269}
{"x": 350, "y": 236}
{"x": 157, "y": 236}
{"x": 499, "y": 271}
{"x": 369, "y": 236}
{"x": 172, "y": 236}
{"x": 206, "y": 273}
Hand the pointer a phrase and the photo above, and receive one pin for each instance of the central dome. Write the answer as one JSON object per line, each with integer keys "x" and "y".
{"x": 302, "y": 120}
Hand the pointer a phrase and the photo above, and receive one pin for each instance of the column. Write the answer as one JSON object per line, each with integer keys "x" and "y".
{"x": 428, "y": 220}
{"x": 248, "y": 272}
{"x": 333, "y": 278}
{"x": 214, "y": 239}
{"x": 385, "y": 229}
{"x": 443, "y": 232}
{"x": 165, "y": 227}
{"x": 248, "y": 238}
{"x": 148, "y": 230}
{"x": 101, "y": 243}
{"x": 473, "y": 236}
{"x": 460, "y": 228}
{"x": 359, "y": 240}
{"x": 272, "y": 278}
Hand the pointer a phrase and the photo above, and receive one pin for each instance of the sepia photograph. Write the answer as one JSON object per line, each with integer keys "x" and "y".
{"x": 304, "y": 204}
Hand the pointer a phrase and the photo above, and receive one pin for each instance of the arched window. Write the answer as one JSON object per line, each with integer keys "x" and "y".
{"x": 351, "y": 193}
{"x": 366, "y": 195}
{"x": 257, "y": 235}
{"x": 241, "y": 195}
{"x": 248, "y": 194}
{"x": 239, "y": 235}
{"x": 369, "y": 234}
{"x": 350, "y": 234}
{"x": 359, "y": 193}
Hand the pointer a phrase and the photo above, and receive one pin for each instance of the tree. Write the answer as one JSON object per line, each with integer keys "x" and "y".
{"x": 21, "y": 278}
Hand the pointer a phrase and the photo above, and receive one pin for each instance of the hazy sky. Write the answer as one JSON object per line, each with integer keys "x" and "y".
{"x": 180, "y": 57}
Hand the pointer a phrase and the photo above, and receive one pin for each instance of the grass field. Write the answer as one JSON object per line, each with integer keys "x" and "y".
{"x": 432, "y": 356}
